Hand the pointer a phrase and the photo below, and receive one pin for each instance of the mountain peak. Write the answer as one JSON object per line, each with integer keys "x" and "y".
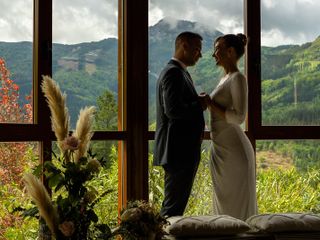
{"x": 168, "y": 28}
{"x": 172, "y": 23}
{"x": 179, "y": 25}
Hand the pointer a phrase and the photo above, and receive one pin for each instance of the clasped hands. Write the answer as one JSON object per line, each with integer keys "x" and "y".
{"x": 204, "y": 100}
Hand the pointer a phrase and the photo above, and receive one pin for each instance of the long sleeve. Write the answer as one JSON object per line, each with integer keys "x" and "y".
{"x": 239, "y": 92}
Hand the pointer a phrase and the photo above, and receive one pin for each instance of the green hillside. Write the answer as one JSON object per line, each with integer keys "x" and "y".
{"x": 291, "y": 84}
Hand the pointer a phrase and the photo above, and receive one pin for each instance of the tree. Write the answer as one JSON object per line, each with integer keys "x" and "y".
{"x": 105, "y": 119}
{"x": 14, "y": 157}
{"x": 10, "y": 109}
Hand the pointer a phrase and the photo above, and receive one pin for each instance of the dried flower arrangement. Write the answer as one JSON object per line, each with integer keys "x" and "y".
{"x": 70, "y": 214}
{"x": 140, "y": 220}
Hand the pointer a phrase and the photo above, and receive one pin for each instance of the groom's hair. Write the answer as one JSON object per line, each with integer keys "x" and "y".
{"x": 187, "y": 36}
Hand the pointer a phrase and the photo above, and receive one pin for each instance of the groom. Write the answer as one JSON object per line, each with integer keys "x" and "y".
{"x": 180, "y": 124}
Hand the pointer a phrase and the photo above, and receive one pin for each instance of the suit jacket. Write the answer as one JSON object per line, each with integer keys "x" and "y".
{"x": 179, "y": 122}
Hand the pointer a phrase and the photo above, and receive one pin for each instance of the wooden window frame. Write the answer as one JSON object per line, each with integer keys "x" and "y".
{"x": 133, "y": 134}
{"x": 256, "y": 130}
{"x": 132, "y": 131}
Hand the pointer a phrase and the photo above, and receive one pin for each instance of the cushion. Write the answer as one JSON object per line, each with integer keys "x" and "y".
{"x": 207, "y": 225}
{"x": 285, "y": 222}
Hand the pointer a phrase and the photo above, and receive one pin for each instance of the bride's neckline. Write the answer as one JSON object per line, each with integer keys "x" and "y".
{"x": 230, "y": 73}
{"x": 226, "y": 77}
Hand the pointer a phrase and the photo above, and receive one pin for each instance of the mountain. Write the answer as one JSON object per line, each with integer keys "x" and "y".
{"x": 162, "y": 36}
{"x": 85, "y": 70}
{"x": 291, "y": 84}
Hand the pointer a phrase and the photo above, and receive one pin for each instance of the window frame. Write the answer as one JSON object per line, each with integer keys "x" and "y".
{"x": 256, "y": 131}
{"x": 132, "y": 131}
{"x": 133, "y": 134}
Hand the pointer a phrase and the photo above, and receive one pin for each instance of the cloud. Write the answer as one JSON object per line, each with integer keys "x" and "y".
{"x": 16, "y": 22}
{"x": 291, "y": 21}
{"x": 210, "y": 12}
{"x": 74, "y": 21}
{"x": 283, "y": 22}
{"x": 77, "y": 21}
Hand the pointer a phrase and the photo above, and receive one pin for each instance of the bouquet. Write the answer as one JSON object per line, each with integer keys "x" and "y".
{"x": 140, "y": 220}
{"x": 70, "y": 215}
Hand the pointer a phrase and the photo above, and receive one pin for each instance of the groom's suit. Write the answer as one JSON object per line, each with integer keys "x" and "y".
{"x": 180, "y": 125}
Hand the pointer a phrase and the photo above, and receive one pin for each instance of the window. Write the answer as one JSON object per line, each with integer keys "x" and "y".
{"x": 288, "y": 175}
{"x": 210, "y": 19}
{"x": 166, "y": 21}
{"x": 282, "y": 100}
{"x": 15, "y": 55}
{"x": 16, "y": 158}
{"x": 85, "y": 57}
{"x": 36, "y": 52}
{"x": 18, "y": 153}
{"x": 290, "y": 63}
{"x": 131, "y": 77}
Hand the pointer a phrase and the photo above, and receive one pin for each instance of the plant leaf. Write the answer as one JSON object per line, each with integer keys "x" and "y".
{"x": 55, "y": 179}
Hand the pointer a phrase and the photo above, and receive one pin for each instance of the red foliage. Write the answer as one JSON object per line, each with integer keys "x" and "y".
{"x": 13, "y": 160}
{"x": 10, "y": 109}
{"x": 12, "y": 154}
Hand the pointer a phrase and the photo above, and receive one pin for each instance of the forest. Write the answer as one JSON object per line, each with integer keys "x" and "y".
{"x": 288, "y": 176}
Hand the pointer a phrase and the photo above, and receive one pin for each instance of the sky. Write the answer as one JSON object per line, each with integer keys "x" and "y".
{"x": 74, "y": 21}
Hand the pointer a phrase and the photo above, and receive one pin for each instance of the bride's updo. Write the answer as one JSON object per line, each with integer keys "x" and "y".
{"x": 237, "y": 41}
{"x": 243, "y": 38}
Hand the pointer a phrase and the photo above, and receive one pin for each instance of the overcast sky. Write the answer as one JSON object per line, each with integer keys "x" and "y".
{"x": 74, "y": 21}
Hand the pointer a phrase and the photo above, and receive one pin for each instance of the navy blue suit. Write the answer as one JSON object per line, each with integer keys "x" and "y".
{"x": 179, "y": 130}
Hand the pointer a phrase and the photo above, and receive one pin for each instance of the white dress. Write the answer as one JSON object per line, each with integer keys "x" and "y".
{"x": 232, "y": 162}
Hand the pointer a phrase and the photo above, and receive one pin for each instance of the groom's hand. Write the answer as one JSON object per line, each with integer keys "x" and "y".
{"x": 203, "y": 98}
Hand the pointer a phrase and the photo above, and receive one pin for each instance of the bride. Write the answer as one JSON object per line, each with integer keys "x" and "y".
{"x": 232, "y": 162}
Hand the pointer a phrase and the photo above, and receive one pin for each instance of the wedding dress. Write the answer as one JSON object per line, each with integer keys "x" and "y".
{"x": 232, "y": 162}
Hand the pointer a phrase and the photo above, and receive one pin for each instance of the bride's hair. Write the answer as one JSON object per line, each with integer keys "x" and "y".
{"x": 237, "y": 41}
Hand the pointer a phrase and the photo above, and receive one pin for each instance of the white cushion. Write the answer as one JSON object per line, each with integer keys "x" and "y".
{"x": 207, "y": 225}
{"x": 285, "y": 222}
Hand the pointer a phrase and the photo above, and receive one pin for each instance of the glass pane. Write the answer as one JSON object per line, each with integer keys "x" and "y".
{"x": 290, "y": 62}
{"x": 16, "y": 158}
{"x": 85, "y": 57}
{"x": 16, "y": 27}
{"x": 208, "y": 18}
{"x": 288, "y": 176}
{"x": 200, "y": 200}
{"x": 107, "y": 208}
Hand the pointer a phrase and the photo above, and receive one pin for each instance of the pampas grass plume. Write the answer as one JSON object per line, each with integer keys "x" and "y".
{"x": 59, "y": 113}
{"x": 41, "y": 198}
{"x": 83, "y": 130}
